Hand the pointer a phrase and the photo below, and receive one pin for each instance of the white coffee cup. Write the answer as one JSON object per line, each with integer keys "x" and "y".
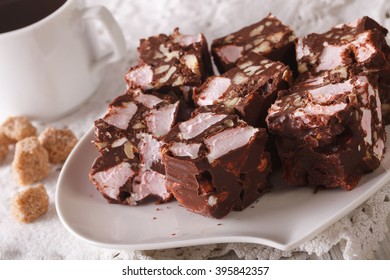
{"x": 50, "y": 67}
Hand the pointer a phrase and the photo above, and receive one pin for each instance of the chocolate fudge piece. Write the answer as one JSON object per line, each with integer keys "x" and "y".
{"x": 269, "y": 37}
{"x": 176, "y": 62}
{"x": 347, "y": 50}
{"x": 130, "y": 168}
{"x": 250, "y": 87}
{"x": 328, "y": 134}
{"x": 361, "y": 43}
{"x": 215, "y": 162}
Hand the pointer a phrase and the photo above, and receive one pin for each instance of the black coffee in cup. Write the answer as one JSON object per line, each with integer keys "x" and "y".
{"x": 15, "y": 14}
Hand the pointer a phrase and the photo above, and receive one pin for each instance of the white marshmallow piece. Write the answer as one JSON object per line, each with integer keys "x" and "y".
{"x": 330, "y": 92}
{"x": 185, "y": 150}
{"x": 331, "y": 57}
{"x": 228, "y": 140}
{"x": 195, "y": 126}
{"x": 186, "y": 40}
{"x": 142, "y": 76}
{"x": 112, "y": 179}
{"x": 149, "y": 147}
{"x": 230, "y": 53}
{"x": 148, "y": 183}
{"x": 148, "y": 100}
{"x": 215, "y": 89}
{"x": 160, "y": 121}
{"x": 120, "y": 116}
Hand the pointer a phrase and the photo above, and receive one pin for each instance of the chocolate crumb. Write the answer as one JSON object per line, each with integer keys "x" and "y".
{"x": 318, "y": 188}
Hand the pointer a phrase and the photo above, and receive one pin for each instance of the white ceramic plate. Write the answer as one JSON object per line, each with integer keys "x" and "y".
{"x": 283, "y": 219}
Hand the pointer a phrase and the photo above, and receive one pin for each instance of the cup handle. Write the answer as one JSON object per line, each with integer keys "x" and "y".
{"x": 117, "y": 39}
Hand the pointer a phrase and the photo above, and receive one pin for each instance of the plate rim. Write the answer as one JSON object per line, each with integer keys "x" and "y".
{"x": 205, "y": 240}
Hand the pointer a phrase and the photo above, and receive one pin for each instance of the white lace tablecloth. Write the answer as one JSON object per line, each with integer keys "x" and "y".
{"x": 355, "y": 235}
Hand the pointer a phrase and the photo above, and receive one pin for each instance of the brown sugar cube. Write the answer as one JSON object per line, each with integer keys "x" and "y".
{"x": 28, "y": 205}
{"x": 3, "y": 151}
{"x": 4, "y": 139}
{"x": 58, "y": 143}
{"x": 31, "y": 162}
{"x": 18, "y": 128}
{"x": 3, "y": 145}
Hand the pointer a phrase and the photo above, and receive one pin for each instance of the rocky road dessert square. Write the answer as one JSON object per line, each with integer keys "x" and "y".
{"x": 268, "y": 37}
{"x": 328, "y": 134}
{"x": 176, "y": 62}
{"x": 347, "y": 50}
{"x": 130, "y": 168}
{"x": 215, "y": 162}
{"x": 249, "y": 88}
